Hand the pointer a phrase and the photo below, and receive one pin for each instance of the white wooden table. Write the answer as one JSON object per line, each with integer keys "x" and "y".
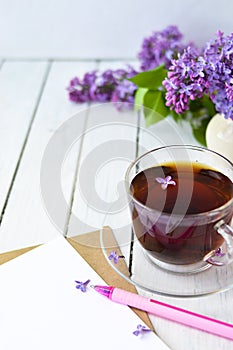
{"x": 34, "y": 110}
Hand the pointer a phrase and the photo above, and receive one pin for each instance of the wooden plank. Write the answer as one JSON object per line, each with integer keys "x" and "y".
{"x": 27, "y": 219}
{"x": 108, "y": 148}
{"x": 20, "y": 85}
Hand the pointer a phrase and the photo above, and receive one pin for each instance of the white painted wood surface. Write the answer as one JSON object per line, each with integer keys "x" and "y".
{"x": 25, "y": 203}
{"x": 34, "y": 107}
{"x": 109, "y": 146}
{"x": 20, "y": 86}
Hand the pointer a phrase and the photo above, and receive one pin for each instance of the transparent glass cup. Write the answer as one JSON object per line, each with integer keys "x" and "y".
{"x": 179, "y": 240}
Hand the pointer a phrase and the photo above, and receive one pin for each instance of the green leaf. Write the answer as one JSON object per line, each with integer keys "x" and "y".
{"x": 175, "y": 116}
{"x": 199, "y": 126}
{"x": 155, "y": 109}
{"x": 151, "y": 79}
{"x": 202, "y": 110}
{"x": 139, "y": 98}
{"x": 199, "y": 134}
{"x": 208, "y": 104}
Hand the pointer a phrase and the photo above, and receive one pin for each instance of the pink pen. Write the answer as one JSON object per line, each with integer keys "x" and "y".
{"x": 167, "y": 311}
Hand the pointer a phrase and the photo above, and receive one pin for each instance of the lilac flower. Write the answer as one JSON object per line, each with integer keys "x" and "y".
{"x": 219, "y": 67}
{"x": 103, "y": 86}
{"x": 79, "y": 90}
{"x": 141, "y": 329}
{"x": 110, "y": 85}
{"x": 123, "y": 95}
{"x": 113, "y": 256}
{"x": 193, "y": 75}
{"x": 229, "y": 90}
{"x": 185, "y": 81}
{"x": 160, "y": 48}
{"x": 165, "y": 182}
{"x": 82, "y": 285}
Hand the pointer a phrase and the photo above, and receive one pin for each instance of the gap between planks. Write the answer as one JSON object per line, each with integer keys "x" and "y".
{"x": 25, "y": 140}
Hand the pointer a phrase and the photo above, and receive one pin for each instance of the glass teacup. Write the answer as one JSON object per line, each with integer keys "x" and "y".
{"x": 181, "y": 202}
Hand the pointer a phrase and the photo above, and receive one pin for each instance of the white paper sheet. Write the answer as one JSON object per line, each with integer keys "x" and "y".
{"x": 40, "y": 307}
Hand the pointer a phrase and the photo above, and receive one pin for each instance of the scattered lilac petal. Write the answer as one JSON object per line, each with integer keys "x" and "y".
{"x": 82, "y": 285}
{"x": 165, "y": 182}
{"x": 219, "y": 253}
{"x": 141, "y": 329}
{"x": 115, "y": 257}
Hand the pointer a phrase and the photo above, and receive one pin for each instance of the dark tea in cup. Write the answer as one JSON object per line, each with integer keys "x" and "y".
{"x": 175, "y": 207}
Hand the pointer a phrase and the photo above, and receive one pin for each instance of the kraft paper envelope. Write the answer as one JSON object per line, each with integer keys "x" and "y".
{"x": 42, "y": 309}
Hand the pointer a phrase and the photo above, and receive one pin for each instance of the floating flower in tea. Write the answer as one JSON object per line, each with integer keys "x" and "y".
{"x": 165, "y": 182}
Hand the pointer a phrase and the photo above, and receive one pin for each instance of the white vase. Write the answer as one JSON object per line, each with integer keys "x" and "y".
{"x": 219, "y": 136}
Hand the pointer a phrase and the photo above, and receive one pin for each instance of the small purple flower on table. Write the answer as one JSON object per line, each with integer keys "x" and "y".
{"x": 165, "y": 182}
{"x": 141, "y": 329}
{"x": 82, "y": 285}
{"x": 115, "y": 257}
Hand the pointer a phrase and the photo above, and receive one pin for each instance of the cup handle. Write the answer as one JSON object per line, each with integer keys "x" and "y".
{"x": 218, "y": 257}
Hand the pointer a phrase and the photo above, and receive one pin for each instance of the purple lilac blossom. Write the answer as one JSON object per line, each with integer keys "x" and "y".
{"x": 123, "y": 95}
{"x": 110, "y": 85}
{"x": 185, "y": 80}
{"x": 192, "y": 75}
{"x": 219, "y": 69}
{"x": 229, "y": 90}
{"x": 113, "y": 86}
{"x": 160, "y": 48}
{"x": 79, "y": 90}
